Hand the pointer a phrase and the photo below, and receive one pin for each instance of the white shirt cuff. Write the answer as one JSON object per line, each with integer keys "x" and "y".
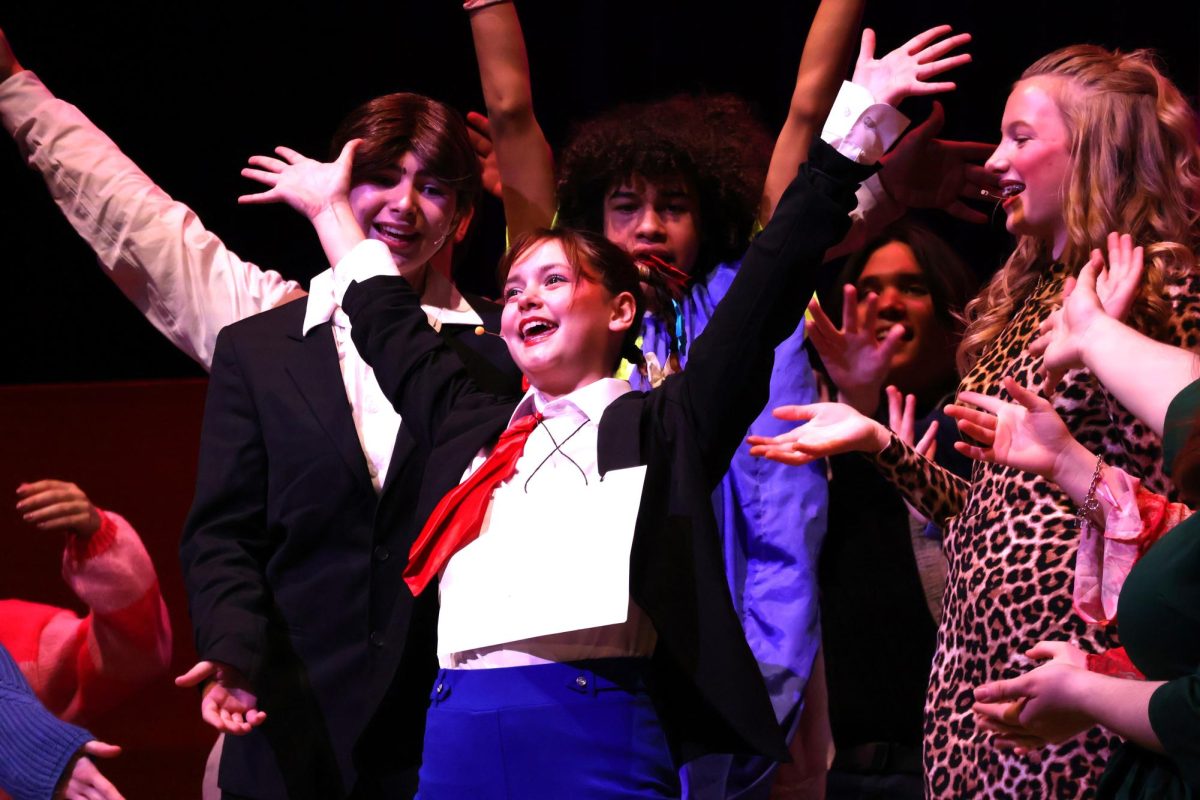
{"x": 859, "y": 128}
{"x": 366, "y": 259}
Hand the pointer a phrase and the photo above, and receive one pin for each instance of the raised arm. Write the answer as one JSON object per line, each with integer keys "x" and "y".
{"x": 522, "y": 154}
{"x": 158, "y": 252}
{"x": 1143, "y": 374}
{"x": 823, "y": 62}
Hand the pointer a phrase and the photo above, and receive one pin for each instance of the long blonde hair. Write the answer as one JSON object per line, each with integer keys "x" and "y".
{"x": 1134, "y": 168}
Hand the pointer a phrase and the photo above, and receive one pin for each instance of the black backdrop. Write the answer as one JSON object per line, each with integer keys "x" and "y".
{"x": 190, "y": 89}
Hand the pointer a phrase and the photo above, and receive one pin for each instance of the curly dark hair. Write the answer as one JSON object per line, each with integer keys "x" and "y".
{"x": 713, "y": 142}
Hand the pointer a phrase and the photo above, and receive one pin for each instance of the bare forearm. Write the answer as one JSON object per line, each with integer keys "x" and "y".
{"x": 1120, "y": 705}
{"x": 522, "y": 153}
{"x": 827, "y": 51}
{"x": 1144, "y": 375}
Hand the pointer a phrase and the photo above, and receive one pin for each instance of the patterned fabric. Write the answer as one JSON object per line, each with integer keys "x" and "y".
{"x": 1011, "y": 541}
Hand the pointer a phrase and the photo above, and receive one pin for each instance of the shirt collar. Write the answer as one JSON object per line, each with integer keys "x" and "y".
{"x": 590, "y": 400}
{"x": 322, "y": 305}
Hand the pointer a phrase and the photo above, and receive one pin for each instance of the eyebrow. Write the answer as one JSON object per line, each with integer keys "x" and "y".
{"x": 542, "y": 270}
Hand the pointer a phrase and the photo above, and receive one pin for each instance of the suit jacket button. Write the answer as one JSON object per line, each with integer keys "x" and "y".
{"x": 381, "y": 553}
{"x": 377, "y": 638}
{"x": 581, "y": 682}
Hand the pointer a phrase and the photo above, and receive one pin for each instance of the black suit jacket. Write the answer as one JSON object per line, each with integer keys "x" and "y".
{"x": 292, "y": 561}
{"x": 705, "y": 681}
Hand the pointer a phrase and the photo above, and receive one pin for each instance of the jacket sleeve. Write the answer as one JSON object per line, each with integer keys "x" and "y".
{"x": 226, "y": 542}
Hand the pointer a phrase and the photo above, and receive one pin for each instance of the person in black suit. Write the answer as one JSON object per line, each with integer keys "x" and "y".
{"x": 307, "y": 486}
{"x": 679, "y": 658}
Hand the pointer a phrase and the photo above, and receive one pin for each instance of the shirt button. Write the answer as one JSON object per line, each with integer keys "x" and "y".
{"x": 377, "y": 638}
{"x": 581, "y": 682}
{"x": 381, "y": 553}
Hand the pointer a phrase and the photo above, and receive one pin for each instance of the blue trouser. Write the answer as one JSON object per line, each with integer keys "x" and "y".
{"x": 583, "y": 729}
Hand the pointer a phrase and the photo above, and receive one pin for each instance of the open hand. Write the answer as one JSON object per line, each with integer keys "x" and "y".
{"x": 1027, "y": 434}
{"x": 922, "y": 171}
{"x": 228, "y": 704}
{"x": 855, "y": 357}
{"x": 905, "y": 71}
{"x": 81, "y": 780}
{"x": 1101, "y": 290}
{"x": 307, "y": 185}
{"x": 830, "y": 428}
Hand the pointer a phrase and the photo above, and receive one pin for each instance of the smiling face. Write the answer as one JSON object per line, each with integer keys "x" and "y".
{"x": 1034, "y": 155}
{"x": 411, "y": 211}
{"x": 562, "y": 327}
{"x": 926, "y": 350}
{"x": 658, "y": 219}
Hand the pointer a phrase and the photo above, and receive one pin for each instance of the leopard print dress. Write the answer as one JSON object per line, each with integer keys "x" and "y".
{"x": 1010, "y": 540}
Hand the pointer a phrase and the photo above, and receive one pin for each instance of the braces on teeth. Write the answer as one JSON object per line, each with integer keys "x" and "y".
{"x": 1011, "y": 190}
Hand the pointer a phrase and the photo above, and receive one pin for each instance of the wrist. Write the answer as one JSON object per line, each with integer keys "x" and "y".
{"x": 1074, "y": 463}
{"x": 1095, "y": 339}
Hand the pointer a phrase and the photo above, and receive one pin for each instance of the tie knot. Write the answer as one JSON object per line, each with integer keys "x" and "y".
{"x": 523, "y": 427}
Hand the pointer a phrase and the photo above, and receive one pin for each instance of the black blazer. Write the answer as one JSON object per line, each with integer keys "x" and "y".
{"x": 292, "y": 562}
{"x": 705, "y": 681}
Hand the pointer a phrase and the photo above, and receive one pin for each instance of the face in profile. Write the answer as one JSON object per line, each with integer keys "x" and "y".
{"x": 410, "y": 210}
{"x": 562, "y": 326}
{"x": 647, "y": 218}
{"x": 1033, "y": 159}
{"x": 926, "y": 353}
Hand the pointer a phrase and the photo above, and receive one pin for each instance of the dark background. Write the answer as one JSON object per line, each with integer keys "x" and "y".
{"x": 189, "y": 90}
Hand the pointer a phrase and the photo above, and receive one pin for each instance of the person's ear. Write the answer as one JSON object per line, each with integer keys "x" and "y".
{"x": 463, "y": 225}
{"x": 624, "y": 309}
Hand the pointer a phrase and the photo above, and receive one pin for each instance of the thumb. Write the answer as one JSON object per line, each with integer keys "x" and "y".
{"x": 1000, "y": 691}
{"x": 866, "y": 50}
{"x": 932, "y": 125}
{"x": 101, "y": 749}
{"x": 348, "y": 151}
{"x": 799, "y": 413}
{"x": 202, "y": 671}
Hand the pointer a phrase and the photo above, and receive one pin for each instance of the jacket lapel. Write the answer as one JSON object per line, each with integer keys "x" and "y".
{"x": 313, "y": 366}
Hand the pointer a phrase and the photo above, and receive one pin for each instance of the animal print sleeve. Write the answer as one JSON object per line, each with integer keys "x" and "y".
{"x": 934, "y": 491}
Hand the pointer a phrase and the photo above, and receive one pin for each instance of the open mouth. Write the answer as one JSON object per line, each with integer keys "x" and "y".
{"x": 394, "y": 236}
{"x": 881, "y": 333}
{"x": 537, "y": 330}
{"x": 1007, "y": 191}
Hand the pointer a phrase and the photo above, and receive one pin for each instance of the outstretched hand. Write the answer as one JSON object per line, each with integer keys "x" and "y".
{"x": 228, "y": 704}
{"x": 856, "y": 359}
{"x": 479, "y": 131}
{"x": 922, "y": 171}
{"x": 830, "y": 428}
{"x": 905, "y": 71}
{"x": 52, "y": 505}
{"x": 1027, "y": 434}
{"x": 8, "y": 59}
{"x": 1100, "y": 291}
{"x": 81, "y": 780}
{"x": 307, "y": 185}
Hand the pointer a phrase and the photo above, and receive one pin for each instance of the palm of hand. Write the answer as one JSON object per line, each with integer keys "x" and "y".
{"x": 834, "y": 428}
{"x": 923, "y": 174}
{"x": 857, "y": 359}
{"x": 1029, "y": 440}
{"x": 309, "y": 186}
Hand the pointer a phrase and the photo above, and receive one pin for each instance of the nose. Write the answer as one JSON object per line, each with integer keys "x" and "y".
{"x": 998, "y": 161}
{"x": 529, "y": 297}
{"x": 402, "y": 197}
{"x": 890, "y": 304}
{"x": 650, "y": 225}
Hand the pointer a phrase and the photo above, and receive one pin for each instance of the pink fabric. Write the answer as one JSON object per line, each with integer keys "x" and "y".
{"x": 1134, "y": 519}
{"x": 82, "y": 667}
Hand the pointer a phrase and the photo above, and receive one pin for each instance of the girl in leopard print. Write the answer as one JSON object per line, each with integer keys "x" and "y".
{"x": 1092, "y": 141}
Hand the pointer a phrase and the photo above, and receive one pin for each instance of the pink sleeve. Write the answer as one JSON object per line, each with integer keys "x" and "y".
{"x": 1134, "y": 519}
{"x": 84, "y": 667}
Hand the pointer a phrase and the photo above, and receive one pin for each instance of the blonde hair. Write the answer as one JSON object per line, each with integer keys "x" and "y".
{"x": 1134, "y": 168}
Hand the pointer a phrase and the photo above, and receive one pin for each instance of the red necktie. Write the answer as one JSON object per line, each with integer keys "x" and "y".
{"x": 456, "y": 520}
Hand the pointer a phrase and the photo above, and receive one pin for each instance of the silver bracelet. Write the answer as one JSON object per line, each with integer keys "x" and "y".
{"x": 1090, "y": 504}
